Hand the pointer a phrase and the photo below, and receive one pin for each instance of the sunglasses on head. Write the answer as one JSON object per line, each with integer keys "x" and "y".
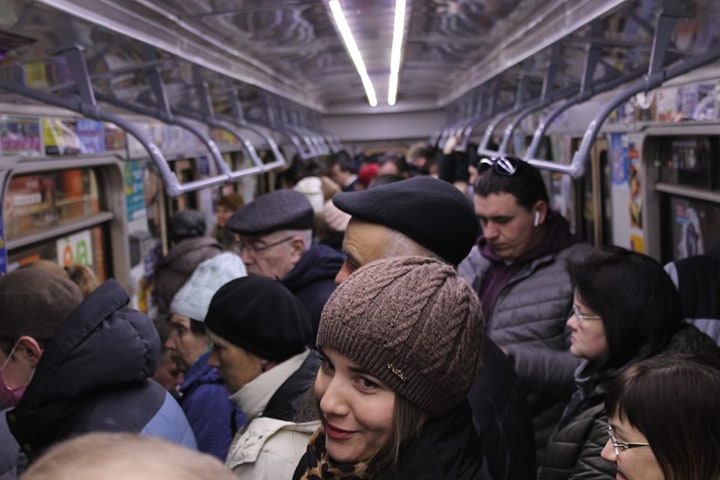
{"x": 506, "y": 166}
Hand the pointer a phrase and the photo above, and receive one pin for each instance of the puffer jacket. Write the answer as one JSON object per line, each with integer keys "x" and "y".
{"x": 94, "y": 375}
{"x": 208, "y": 409}
{"x": 573, "y": 451}
{"x": 177, "y": 266}
{"x": 528, "y": 322}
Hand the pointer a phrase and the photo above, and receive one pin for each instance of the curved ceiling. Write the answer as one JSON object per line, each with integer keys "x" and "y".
{"x": 285, "y": 59}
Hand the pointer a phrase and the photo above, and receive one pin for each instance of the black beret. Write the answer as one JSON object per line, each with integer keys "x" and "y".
{"x": 260, "y": 315}
{"x": 432, "y": 212}
{"x": 279, "y": 210}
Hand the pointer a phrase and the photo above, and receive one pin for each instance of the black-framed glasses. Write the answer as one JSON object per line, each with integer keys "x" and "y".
{"x": 619, "y": 446}
{"x": 258, "y": 246}
{"x": 506, "y": 166}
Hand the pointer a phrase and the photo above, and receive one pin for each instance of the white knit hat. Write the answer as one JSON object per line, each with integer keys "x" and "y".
{"x": 311, "y": 187}
{"x": 193, "y": 299}
{"x": 335, "y": 218}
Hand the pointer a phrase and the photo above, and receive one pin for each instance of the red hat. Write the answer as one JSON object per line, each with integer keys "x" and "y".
{"x": 367, "y": 174}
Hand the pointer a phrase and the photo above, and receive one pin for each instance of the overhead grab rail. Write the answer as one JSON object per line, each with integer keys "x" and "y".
{"x": 657, "y": 75}
{"x": 547, "y": 97}
{"x": 282, "y": 116}
{"x": 78, "y": 66}
{"x": 519, "y": 106}
{"x": 207, "y": 116}
{"x": 305, "y": 151}
{"x": 86, "y": 105}
{"x": 238, "y": 118}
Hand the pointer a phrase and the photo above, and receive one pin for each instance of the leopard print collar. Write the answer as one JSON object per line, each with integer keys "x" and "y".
{"x": 316, "y": 464}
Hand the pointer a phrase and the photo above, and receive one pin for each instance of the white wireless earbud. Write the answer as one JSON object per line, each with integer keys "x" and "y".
{"x": 537, "y": 218}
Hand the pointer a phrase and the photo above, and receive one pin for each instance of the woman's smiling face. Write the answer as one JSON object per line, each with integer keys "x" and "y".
{"x": 357, "y": 409}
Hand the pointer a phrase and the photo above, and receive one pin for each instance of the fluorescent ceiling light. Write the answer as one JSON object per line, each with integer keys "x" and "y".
{"x": 396, "y": 54}
{"x": 352, "y": 47}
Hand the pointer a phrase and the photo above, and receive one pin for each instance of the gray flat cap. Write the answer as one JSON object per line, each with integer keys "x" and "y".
{"x": 279, "y": 210}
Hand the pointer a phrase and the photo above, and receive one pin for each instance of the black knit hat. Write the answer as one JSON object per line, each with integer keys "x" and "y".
{"x": 35, "y": 302}
{"x": 279, "y": 210}
{"x": 186, "y": 224}
{"x": 413, "y": 324}
{"x": 432, "y": 212}
{"x": 260, "y": 315}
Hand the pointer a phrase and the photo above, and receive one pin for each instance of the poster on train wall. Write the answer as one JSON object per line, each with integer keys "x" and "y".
{"x": 19, "y": 136}
{"x": 133, "y": 178}
{"x": 694, "y": 224}
{"x": 75, "y": 248}
{"x": 619, "y": 161}
{"x": 3, "y": 252}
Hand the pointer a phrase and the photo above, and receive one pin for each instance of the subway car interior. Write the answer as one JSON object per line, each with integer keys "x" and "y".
{"x": 114, "y": 114}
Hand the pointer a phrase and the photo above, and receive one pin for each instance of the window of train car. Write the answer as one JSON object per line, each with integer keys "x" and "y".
{"x": 37, "y": 205}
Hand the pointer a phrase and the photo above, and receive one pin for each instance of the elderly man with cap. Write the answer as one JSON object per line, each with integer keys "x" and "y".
{"x": 429, "y": 217}
{"x": 72, "y": 365}
{"x": 259, "y": 332}
{"x": 276, "y": 241}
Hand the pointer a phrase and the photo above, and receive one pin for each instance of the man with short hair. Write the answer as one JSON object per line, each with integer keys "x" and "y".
{"x": 518, "y": 267}
{"x": 429, "y": 217}
{"x": 259, "y": 332}
{"x": 276, "y": 236}
{"x": 74, "y": 365}
{"x": 340, "y": 169}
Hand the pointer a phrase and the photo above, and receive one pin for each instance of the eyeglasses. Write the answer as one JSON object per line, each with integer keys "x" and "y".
{"x": 580, "y": 317}
{"x": 622, "y": 446}
{"x": 258, "y": 246}
{"x": 506, "y": 166}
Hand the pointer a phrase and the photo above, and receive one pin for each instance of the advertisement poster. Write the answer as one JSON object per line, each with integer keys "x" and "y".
{"x": 91, "y": 136}
{"x": 619, "y": 161}
{"x": 635, "y": 186}
{"x": 133, "y": 178}
{"x": 19, "y": 136}
{"x": 76, "y": 248}
{"x": 693, "y": 222}
{"x": 3, "y": 253}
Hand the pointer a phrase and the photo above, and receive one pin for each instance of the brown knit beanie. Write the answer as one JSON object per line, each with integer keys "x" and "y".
{"x": 34, "y": 302}
{"x": 413, "y": 324}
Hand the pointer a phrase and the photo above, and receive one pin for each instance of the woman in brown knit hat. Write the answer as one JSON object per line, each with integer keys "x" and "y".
{"x": 401, "y": 344}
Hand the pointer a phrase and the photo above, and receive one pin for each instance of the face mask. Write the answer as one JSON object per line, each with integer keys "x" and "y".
{"x": 10, "y": 397}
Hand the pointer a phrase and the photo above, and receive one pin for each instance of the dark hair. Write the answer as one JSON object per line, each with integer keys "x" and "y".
{"x": 385, "y": 179}
{"x": 526, "y": 184}
{"x": 186, "y": 224}
{"x": 637, "y": 300}
{"x": 231, "y": 201}
{"x": 342, "y": 160}
{"x": 198, "y": 328}
{"x": 673, "y": 400}
{"x": 396, "y": 159}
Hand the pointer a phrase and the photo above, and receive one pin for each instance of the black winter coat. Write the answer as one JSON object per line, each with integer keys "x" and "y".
{"x": 573, "y": 451}
{"x": 94, "y": 376}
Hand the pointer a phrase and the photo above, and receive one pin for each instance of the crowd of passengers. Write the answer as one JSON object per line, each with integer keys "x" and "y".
{"x": 416, "y": 316}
